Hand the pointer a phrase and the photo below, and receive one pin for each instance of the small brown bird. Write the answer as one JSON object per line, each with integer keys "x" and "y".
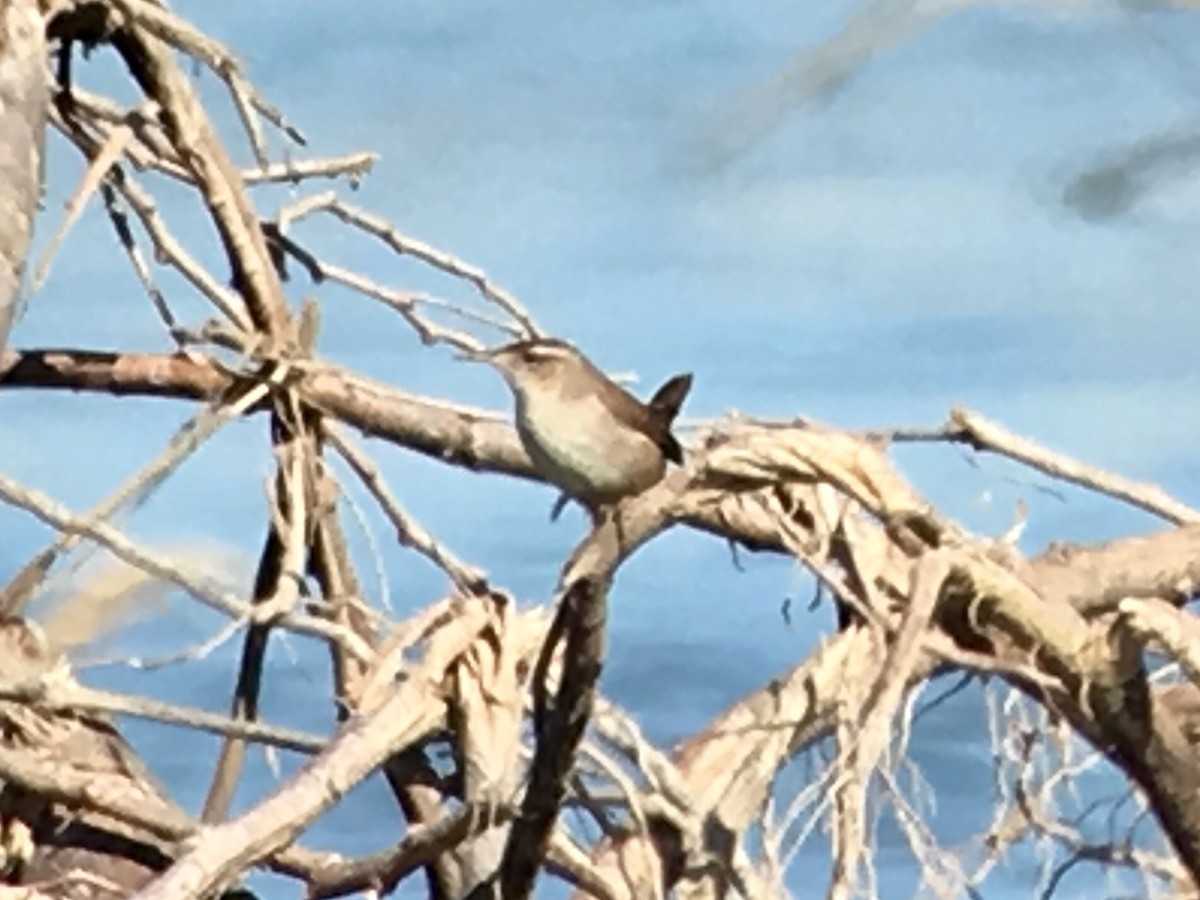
{"x": 585, "y": 433}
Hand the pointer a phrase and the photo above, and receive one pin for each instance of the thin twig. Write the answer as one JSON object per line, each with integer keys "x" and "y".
{"x": 983, "y": 434}
{"x": 120, "y": 222}
{"x": 55, "y": 695}
{"x": 382, "y": 229}
{"x": 182, "y": 35}
{"x": 407, "y": 303}
{"x": 134, "y": 491}
{"x": 167, "y": 249}
{"x": 467, "y": 579}
{"x": 194, "y": 583}
{"x": 97, "y": 171}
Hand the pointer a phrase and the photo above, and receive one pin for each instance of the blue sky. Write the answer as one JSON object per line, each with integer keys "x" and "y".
{"x": 878, "y": 256}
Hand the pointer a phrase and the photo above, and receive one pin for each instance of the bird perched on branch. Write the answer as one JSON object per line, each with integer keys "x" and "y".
{"x": 584, "y": 433}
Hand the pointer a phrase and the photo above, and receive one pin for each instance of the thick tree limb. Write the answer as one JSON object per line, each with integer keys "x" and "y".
{"x": 381, "y": 872}
{"x": 24, "y": 94}
{"x": 410, "y": 712}
{"x": 195, "y": 141}
{"x": 559, "y": 725}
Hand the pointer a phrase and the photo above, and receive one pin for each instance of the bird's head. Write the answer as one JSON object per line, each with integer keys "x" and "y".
{"x": 528, "y": 364}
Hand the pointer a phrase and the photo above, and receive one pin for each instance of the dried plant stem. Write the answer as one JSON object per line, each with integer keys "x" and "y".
{"x": 56, "y": 695}
{"x": 134, "y": 491}
{"x": 195, "y": 583}
{"x": 467, "y": 579}
{"x": 380, "y": 228}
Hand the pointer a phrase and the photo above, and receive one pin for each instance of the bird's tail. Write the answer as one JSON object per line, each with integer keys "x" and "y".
{"x": 668, "y": 399}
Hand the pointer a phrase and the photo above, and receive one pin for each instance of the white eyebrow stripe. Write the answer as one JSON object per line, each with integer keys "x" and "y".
{"x": 546, "y": 352}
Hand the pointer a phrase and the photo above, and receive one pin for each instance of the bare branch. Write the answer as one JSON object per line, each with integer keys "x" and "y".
{"x": 381, "y": 872}
{"x": 134, "y": 491}
{"x": 1167, "y": 630}
{"x": 196, "y": 584}
{"x": 411, "y": 712}
{"x": 467, "y": 579}
{"x": 24, "y": 93}
{"x": 57, "y": 694}
{"x": 383, "y": 230}
{"x": 559, "y": 725}
{"x": 192, "y": 135}
{"x": 986, "y": 435}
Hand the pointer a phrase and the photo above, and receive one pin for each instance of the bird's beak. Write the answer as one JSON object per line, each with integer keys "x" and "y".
{"x": 478, "y": 356}
{"x": 496, "y": 357}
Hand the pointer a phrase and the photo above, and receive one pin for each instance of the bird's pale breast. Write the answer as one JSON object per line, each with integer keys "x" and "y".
{"x": 579, "y": 445}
